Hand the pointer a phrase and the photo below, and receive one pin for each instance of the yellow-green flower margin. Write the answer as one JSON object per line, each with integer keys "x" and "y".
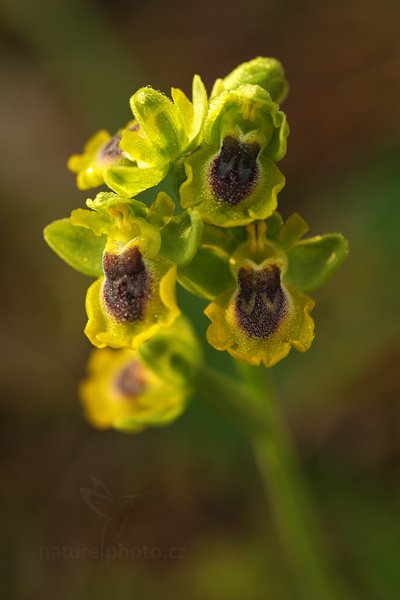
{"x": 156, "y": 402}
{"x": 161, "y": 309}
{"x": 296, "y": 328}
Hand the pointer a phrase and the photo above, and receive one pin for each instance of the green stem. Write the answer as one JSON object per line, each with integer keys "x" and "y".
{"x": 232, "y": 399}
{"x": 255, "y": 409}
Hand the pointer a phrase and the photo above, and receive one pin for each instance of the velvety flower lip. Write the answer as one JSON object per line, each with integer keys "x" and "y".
{"x": 133, "y": 299}
{"x": 234, "y": 172}
{"x": 229, "y": 190}
{"x": 127, "y": 285}
{"x": 261, "y": 303}
{"x": 262, "y": 318}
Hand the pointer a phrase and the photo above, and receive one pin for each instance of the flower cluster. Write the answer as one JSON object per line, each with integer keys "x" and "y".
{"x": 220, "y": 239}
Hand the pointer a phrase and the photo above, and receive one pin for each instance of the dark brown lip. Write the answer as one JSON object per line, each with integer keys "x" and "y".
{"x": 261, "y": 303}
{"x": 234, "y": 172}
{"x": 127, "y": 285}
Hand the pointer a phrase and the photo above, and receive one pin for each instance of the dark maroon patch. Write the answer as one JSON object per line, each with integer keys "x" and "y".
{"x": 111, "y": 150}
{"x": 126, "y": 288}
{"x": 261, "y": 302}
{"x": 130, "y": 382}
{"x": 234, "y": 171}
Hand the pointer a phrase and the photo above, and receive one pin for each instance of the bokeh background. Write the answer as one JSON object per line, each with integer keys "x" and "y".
{"x": 67, "y": 68}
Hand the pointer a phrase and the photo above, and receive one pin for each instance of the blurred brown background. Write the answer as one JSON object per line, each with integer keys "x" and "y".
{"x": 67, "y": 68}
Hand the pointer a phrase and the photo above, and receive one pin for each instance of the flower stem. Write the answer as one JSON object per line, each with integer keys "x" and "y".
{"x": 254, "y": 408}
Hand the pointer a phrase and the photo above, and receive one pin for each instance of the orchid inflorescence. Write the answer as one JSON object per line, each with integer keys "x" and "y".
{"x": 221, "y": 240}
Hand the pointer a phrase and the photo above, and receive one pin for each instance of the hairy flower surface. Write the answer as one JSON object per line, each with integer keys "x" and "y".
{"x": 232, "y": 179}
{"x": 132, "y": 300}
{"x": 262, "y": 318}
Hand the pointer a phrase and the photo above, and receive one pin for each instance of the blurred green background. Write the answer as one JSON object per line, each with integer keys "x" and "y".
{"x": 67, "y": 68}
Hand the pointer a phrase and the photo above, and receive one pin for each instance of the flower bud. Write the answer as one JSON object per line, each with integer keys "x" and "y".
{"x": 268, "y": 73}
